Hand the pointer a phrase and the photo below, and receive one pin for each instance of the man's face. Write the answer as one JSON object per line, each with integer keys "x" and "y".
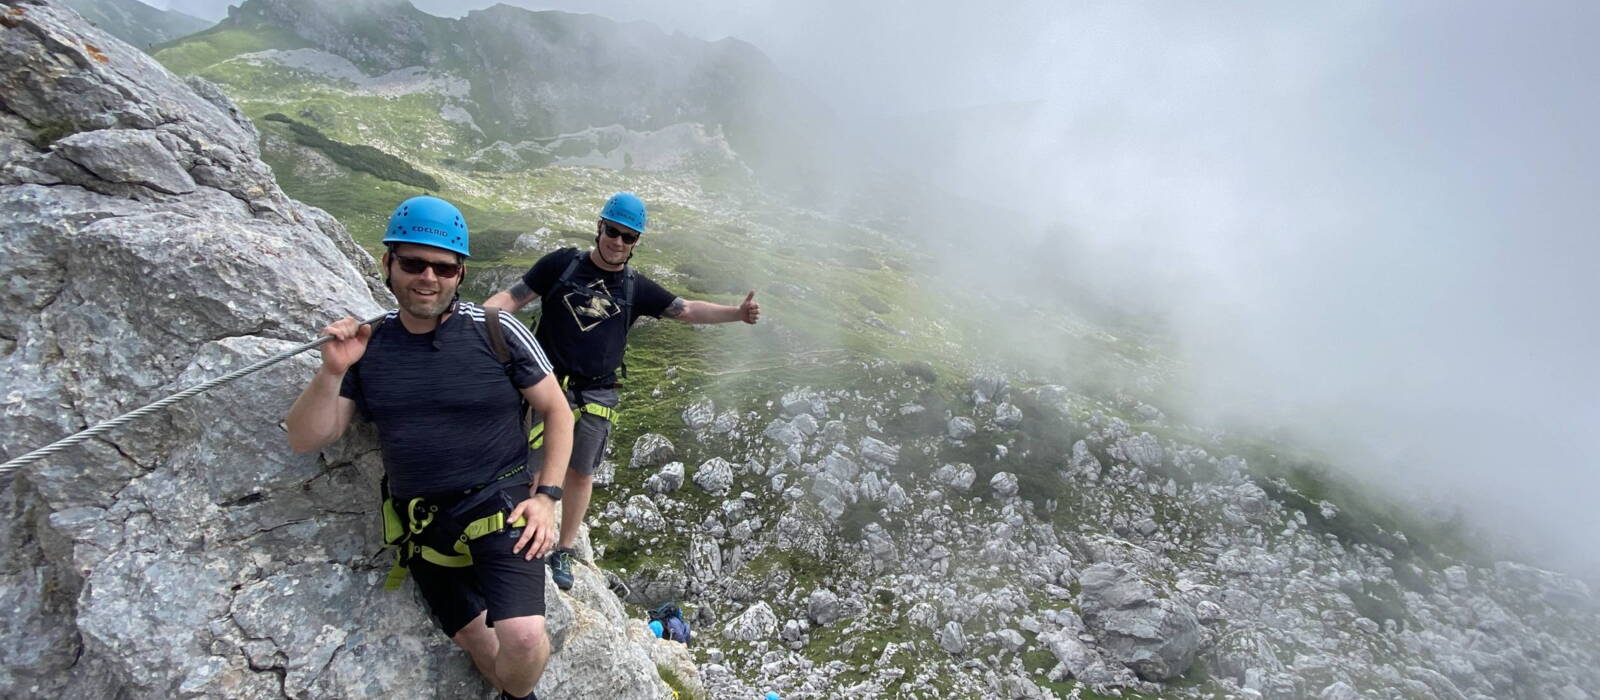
{"x": 424, "y": 294}
{"x": 614, "y": 245}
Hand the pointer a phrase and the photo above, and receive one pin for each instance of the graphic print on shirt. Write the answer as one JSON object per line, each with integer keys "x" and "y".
{"x": 590, "y": 311}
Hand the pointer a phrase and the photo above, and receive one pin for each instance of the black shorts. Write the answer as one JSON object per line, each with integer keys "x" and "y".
{"x": 500, "y": 581}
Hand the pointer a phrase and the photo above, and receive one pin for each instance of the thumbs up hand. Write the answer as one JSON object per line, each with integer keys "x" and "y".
{"x": 749, "y": 310}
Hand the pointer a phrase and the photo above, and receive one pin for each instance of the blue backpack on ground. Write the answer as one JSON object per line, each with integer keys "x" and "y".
{"x": 668, "y": 623}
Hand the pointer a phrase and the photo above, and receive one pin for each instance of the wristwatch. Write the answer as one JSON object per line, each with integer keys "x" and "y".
{"x": 554, "y": 492}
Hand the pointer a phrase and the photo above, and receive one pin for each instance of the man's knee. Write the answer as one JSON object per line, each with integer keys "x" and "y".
{"x": 476, "y": 637}
{"x": 522, "y": 637}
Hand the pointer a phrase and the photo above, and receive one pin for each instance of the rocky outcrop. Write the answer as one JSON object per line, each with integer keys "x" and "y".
{"x": 1157, "y": 637}
{"x": 191, "y": 554}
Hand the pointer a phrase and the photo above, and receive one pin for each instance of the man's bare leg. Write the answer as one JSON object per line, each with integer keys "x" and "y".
{"x": 523, "y": 651}
{"x": 480, "y": 643}
{"x": 576, "y": 490}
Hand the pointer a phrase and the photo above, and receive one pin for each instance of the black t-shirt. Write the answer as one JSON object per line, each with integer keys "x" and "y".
{"x": 585, "y": 335}
{"x": 448, "y": 418}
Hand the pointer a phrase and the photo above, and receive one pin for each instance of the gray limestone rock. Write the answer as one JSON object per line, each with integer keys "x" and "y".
{"x": 606, "y": 473}
{"x": 951, "y": 638}
{"x": 715, "y": 476}
{"x": 1007, "y": 416}
{"x": 822, "y": 606}
{"x": 960, "y": 428}
{"x": 956, "y": 476}
{"x": 1142, "y": 451}
{"x": 986, "y": 388}
{"x": 875, "y": 450}
{"x": 699, "y": 414}
{"x": 754, "y": 624}
{"x": 782, "y": 432}
{"x": 651, "y": 450}
{"x": 801, "y": 401}
{"x": 705, "y": 559}
{"x": 131, "y": 156}
{"x": 1156, "y": 637}
{"x": 1004, "y": 484}
{"x": 805, "y": 423}
{"x": 1241, "y": 651}
{"x": 669, "y": 479}
{"x": 191, "y": 554}
{"x": 1339, "y": 690}
{"x": 641, "y": 513}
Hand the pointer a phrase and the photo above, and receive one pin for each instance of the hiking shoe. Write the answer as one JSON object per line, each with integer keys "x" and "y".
{"x": 561, "y": 568}
{"x": 508, "y": 696}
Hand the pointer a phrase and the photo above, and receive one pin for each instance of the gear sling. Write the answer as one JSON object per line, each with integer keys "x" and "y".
{"x": 536, "y": 434}
{"x": 423, "y": 528}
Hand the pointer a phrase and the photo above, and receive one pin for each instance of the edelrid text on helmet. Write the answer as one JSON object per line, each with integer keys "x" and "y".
{"x": 625, "y": 208}
{"x": 428, "y": 221}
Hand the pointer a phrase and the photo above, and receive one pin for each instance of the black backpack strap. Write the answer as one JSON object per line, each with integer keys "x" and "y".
{"x": 497, "y": 335}
{"x": 502, "y": 352}
{"x": 566, "y": 275}
{"x": 627, "y": 313}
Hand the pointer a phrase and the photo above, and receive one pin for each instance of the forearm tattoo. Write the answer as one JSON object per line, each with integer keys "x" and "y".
{"x": 521, "y": 294}
{"x": 676, "y": 308}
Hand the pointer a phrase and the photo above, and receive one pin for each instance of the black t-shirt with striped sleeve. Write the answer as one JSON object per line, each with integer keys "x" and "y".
{"x": 448, "y": 416}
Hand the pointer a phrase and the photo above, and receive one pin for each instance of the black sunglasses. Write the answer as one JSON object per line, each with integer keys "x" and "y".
{"x": 627, "y": 237}
{"x": 415, "y": 266}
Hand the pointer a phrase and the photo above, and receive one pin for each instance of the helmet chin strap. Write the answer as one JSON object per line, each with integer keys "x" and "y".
{"x": 602, "y": 252}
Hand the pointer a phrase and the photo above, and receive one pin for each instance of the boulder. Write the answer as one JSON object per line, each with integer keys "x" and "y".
{"x": 715, "y": 476}
{"x": 700, "y": 414}
{"x": 1007, "y": 416}
{"x": 960, "y": 428}
{"x": 956, "y": 476}
{"x": 651, "y": 450}
{"x": 986, "y": 388}
{"x": 754, "y": 624}
{"x": 1156, "y": 637}
{"x": 780, "y": 431}
{"x": 875, "y": 450}
{"x": 642, "y": 514}
{"x": 801, "y": 401}
{"x": 951, "y": 638}
{"x": 669, "y": 479}
{"x": 822, "y": 606}
{"x": 1004, "y": 484}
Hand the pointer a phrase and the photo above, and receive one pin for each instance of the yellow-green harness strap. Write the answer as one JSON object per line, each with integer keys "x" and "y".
{"x": 536, "y": 435}
{"x": 406, "y": 549}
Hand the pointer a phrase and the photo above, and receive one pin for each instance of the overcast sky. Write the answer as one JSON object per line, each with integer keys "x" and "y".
{"x": 1371, "y": 222}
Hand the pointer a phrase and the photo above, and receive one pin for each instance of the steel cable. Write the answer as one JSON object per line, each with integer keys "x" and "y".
{"x": 106, "y": 426}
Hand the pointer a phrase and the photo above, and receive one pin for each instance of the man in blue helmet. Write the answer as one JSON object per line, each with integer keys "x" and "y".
{"x": 445, "y": 384}
{"x": 589, "y": 299}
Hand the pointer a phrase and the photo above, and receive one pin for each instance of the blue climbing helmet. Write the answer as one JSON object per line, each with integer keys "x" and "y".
{"x": 625, "y": 208}
{"x": 429, "y": 221}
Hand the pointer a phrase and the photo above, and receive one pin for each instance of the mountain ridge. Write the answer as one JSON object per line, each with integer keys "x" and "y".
{"x": 137, "y": 23}
{"x": 540, "y": 74}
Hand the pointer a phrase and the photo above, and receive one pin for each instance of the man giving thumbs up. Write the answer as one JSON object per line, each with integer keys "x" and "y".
{"x": 589, "y": 299}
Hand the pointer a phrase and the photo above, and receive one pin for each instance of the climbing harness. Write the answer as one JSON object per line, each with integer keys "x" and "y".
{"x": 610, "y": 413}
{"x": 425, "y": 530}
{"x": 106, "y": 426}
